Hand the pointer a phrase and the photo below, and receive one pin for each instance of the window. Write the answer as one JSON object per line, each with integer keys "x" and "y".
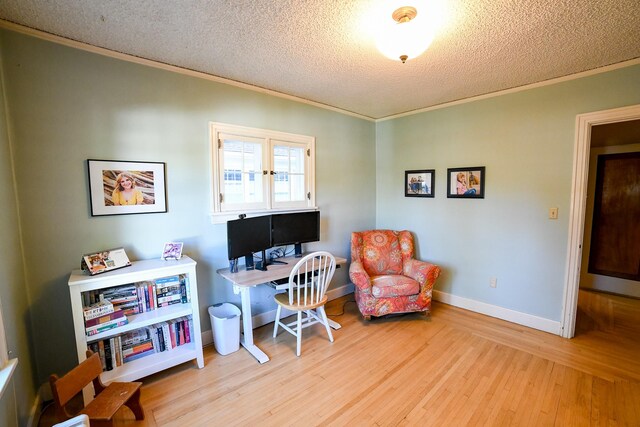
{"x": 258, "y": 170}
{"x": 7, "y": 366}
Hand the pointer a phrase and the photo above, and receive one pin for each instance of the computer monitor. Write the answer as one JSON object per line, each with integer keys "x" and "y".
{"x": 295, "y": 229}
{"x": 246, "y": 236}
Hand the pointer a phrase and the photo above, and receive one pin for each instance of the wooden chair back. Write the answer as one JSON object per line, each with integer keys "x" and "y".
{"x": 66, "y": 387}
{"x": 310, "y": 278}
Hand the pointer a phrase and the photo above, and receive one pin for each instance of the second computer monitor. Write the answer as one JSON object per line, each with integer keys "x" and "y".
{"x": 295, "y": 229}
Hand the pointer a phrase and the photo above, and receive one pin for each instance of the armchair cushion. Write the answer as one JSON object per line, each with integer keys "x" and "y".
{"x": 393, "y": 286}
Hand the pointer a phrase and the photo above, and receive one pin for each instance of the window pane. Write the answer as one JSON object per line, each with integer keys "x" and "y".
{"x": 297, "y": 188}
{"x": 242, "y": 172}
{"x": 289, "y": 173}
{"x": 281, "y": 190}
{"x": 297, "y": 160}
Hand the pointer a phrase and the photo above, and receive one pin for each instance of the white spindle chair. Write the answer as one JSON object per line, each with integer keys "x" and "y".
{"x": 308, "y": 283}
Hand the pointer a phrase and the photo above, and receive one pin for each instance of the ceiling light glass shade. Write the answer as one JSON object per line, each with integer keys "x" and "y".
{"x": 404, "y": 40}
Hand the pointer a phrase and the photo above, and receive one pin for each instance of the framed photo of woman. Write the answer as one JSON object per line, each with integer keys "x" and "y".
{"x": 120, "y": 187}
{"x": 466, "y": 183}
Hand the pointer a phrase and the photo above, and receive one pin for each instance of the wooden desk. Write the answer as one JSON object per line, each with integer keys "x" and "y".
{"x": 244, "y": 280}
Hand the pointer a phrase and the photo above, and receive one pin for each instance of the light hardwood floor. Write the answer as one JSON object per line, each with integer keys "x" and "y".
{"x": 456, "y": 368}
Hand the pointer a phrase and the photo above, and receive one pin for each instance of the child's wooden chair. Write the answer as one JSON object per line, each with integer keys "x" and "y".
{"x": 108, "y": 398}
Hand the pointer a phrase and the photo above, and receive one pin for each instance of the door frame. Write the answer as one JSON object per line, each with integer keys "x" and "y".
{"x": 581, "y": 150}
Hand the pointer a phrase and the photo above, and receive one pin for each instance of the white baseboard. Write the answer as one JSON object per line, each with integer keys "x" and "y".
{"x": 270, "y": 316}
{"x": 520, "y": 318}
{"x": 43, "y": 395}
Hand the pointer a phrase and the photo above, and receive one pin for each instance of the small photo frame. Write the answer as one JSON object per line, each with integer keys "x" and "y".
{"x": 172, "y": 250}
{"x": 419, "y": 183}
{"x": 101, "y": 262}
{"x": 120, "y": 187}
{"x": 466, "y": 183}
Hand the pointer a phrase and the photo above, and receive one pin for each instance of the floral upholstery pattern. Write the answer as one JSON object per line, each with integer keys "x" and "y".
{"x": 386, "y": 276}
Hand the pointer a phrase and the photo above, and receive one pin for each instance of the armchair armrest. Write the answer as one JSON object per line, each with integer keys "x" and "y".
{"x": 359, "y": 277}
{"x": 422, "y": 272}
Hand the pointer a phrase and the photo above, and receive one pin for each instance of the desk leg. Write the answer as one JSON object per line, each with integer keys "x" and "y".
{"x": 247, "y": 327}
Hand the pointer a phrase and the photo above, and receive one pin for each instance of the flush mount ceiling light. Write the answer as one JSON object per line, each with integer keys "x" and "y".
{"x": 405, "y": 37}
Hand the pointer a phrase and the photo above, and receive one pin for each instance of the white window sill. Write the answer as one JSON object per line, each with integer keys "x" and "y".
{"x": 6, "y": 373}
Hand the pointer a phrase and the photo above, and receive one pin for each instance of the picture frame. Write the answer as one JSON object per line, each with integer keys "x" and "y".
{"x": 466, "y": 183}
{"x": 103, "y": 261}
{"x": 118, "y": 187}
{"x": 419, "y": 183}
{"x": 172, "y": 250}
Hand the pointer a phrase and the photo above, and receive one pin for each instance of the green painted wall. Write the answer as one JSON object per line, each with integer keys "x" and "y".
{"x": 18, "y": 398}
{"x": 67, "y": 106}
{"x": 526, "y": 142}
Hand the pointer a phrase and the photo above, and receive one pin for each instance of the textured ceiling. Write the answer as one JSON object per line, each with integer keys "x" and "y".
{"x": 323, "y": 50}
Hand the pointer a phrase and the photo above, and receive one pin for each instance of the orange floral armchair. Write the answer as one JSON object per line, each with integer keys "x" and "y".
{"x": 386, "y": 276}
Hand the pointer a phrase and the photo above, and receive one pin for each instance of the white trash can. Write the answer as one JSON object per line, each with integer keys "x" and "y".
{"x": 225, "y": 326}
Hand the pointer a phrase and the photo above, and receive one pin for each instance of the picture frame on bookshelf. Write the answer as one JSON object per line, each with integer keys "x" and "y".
{"x": 101, "y": 262}
{"x": 119, "y": 187}
{"x": 172, "y": 250}
{"x": 466, "y": 183}
{"x": 419, "y": 183}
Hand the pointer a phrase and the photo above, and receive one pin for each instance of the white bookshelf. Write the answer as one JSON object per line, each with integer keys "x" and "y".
{"x": 139, "y": 271}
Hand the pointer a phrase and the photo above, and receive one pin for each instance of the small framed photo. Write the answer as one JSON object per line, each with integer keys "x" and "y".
{"x": 101, "y": 262}
{"x": 466, "y": 183}
{"x": 172, "y": 250}
{"x": 419, "y": 183}
{"x": 119, "y": 187}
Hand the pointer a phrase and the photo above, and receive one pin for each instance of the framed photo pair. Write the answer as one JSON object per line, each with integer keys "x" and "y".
{"x": 119, "y": 187}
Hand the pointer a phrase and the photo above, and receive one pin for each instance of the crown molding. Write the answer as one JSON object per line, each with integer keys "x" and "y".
{"x": 18, "y": 28}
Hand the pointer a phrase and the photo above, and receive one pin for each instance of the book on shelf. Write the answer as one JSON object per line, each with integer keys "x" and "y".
{"x": 137, "y": 348}
{"x": 184, "y": 286}
{"x": 118, "y": 346}
{"x": 116, "y": 314}
{"x": 97, "y": 309}
{"x": 102, "y": 355}
{"x": 169, "y": 299}
{"x": 164, "y": 282}
{"x": 138, "y": 355}
{"x": 115, "y": 323}
{"x": 107, "y": 355}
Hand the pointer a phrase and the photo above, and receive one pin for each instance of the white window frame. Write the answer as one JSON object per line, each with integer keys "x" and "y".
{"x": 221, "y": 212}
{"x": 7, "y": 366}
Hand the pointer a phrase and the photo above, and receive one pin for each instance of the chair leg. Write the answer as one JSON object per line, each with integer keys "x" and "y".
{"x": 134, "y": 404}
{"x": 299, "y": 334}
{"x": 276, "y": 323}
{"x": 325, "y": 321}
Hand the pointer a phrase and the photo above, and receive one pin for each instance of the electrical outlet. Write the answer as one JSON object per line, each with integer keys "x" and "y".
{"x": 553, "y": 213}
{"x": 493, "y": 282}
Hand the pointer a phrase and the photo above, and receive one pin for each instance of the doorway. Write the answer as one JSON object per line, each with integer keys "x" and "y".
{"x": 584, "y": 127}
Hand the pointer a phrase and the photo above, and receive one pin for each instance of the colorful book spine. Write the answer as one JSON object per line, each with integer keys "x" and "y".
{"x": 166, "y": 334}
{"x": 102, "y": 355}
{"x": 184, "y": 287}
{"x": 94, "y": 330}
{"x": 169, "y": 299}
{"x": 140, "y": 355}
{"x": 98, "y": 309}
{"x": 117, "y": 314}
{"x": 138, "y": 348}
